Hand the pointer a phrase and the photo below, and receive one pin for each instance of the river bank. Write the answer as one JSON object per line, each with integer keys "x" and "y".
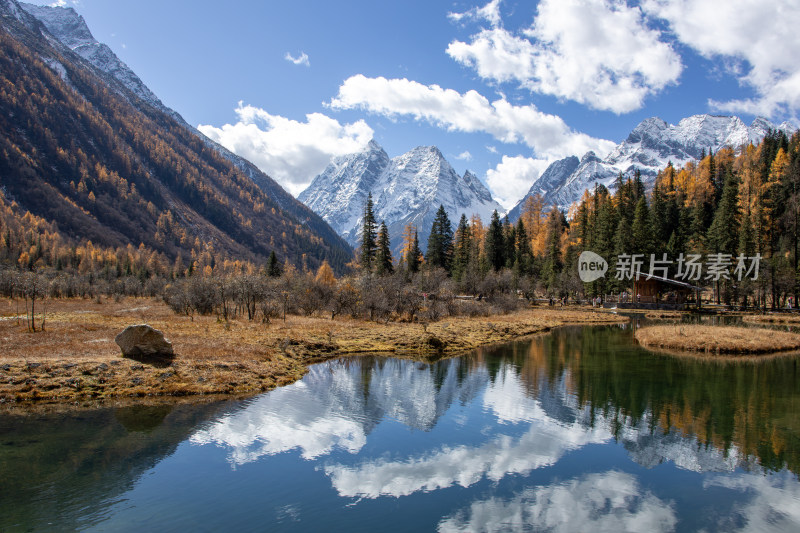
{"x": 76, "y": 359}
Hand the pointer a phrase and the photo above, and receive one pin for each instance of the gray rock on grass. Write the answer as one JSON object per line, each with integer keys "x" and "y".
{"x": 142, "y": 340}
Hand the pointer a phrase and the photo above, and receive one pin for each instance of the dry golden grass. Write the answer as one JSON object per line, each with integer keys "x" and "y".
{"x": 772, "y": 319}
{"x": 76, "y": 357}
{"x": 717, "y": 339}
{"x": 665, "y": 314}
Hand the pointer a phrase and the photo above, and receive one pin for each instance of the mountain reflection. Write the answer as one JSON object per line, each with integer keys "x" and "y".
{"x": 579, "y": 430}
{"x": 338, "y": 403}
{"x": 553, "y": 394}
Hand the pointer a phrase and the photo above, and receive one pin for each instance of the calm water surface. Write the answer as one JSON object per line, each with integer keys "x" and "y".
{"x": 579, "y": 430}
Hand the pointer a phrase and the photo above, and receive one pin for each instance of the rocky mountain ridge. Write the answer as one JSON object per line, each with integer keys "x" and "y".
{"x": 407, "y": 189}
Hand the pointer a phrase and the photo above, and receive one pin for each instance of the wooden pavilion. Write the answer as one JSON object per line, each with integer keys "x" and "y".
{"x": 658, "y": 292}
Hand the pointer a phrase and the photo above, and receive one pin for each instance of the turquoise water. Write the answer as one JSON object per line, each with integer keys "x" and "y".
{"x": 579, "y": 430}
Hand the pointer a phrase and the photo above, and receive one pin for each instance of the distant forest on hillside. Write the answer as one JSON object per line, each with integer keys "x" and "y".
{"x": 728, "y": 208}
{"x": 728, "y": 204}
{"x": 99, "y": 169}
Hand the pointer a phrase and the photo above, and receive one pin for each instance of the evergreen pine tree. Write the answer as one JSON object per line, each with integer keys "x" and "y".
{"x": 659, "y": 219}
{"x": 462, "y": 248}
{"x": 623, "y": 245}
{"x": 697, "y": 226}
{"x": 273, "y": 267}
{"x": 383, "y": 255}
{"x": 510, "y": 239}
{"x": 413, "y": 259}
{"x": 638, "y": 191}
{"x": 524, "y": 254}
{"x": 495, "y": 245}
{"x": 440, "y": 241}
{"x": 583, "y": 225}
{"x": 641, "y": 229}
{"x": 605, "y": 227}
{"x": 746, "y": 244}
{"x": 723, "y": 236}
{"x": 368, "y": 235}
{"x": 553, "y": 263}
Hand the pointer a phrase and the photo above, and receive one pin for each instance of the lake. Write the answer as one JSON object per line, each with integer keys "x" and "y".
{"x": 578, "y": 430}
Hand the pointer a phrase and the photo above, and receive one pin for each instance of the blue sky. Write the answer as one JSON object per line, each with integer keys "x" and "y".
{"x": 502, "y": 88}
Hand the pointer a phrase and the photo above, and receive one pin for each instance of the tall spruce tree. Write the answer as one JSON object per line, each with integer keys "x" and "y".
{"x": 553, "y": 262}
{"x": 642, "y": 229}
{"x": 383, "y": 255}
{"x": 368, "y": 236}
{"x": 462, "y": 248}
{"x": 510, "y": 238}
{"x": 495, "y": 245}
{"x": 524, "y": 254}
{"x": 723, "y": 235}
{"x": 413, "y": 257}
{"x": 638, "y": 190}
{"x": 440, "y": 241}
{"x": 659, "y": 219}
{"x": 273, "y": 267}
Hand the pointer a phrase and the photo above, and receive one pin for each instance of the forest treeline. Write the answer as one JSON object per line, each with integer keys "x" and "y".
{"x": 731, "y": 209}
{"x": 743, "y": 203}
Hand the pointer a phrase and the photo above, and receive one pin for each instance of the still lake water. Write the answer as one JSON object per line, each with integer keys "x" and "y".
{"x": 579, "y": 430}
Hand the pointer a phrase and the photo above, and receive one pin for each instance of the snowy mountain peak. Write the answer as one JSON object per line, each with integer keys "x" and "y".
{"x": 64, "y": 23}
{"x": 407, "y": 189}
{"x": 372, "y": 146}
{"x": 589, "y": 157}
{"x": 649, "y": 126}
{"x": 70, "y": 29}
{"x": 648, "y": 148}
{"x": 10, "y": 8}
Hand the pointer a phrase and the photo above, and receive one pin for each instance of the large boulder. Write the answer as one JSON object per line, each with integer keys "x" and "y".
{"x": 143, "y": 341}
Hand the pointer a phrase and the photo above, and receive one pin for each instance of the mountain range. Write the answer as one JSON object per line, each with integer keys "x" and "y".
{"x": 95, "y": 109}
{"x": 89, "y": 147}
{"x": 648, "y": 148}
{"x": 409, "y": 188}
{"x": 406, "y": 190}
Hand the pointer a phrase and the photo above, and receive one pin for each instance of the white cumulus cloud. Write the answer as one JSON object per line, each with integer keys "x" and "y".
{"x": 768, "y": 502}
{"x": 609, "y": 501}
{"x": 490, "y": 13}
{"x": 464, "y": 156}
{"x": 302, "y": 59}
{"x": 759, "y": 42}
{"x": 548, "y": 135}
{"x": 513, "y": 176}
{"x": 600, "y": 53}
{"x": 291, "y": 152}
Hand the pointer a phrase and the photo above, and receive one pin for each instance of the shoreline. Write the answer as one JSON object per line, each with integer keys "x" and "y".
{"x": 75, "y": 360}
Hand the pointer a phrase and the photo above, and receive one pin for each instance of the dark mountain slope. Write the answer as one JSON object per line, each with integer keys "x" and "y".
{"x": 105, "y": 166}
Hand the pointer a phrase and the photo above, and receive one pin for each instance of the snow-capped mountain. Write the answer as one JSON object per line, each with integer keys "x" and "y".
{"x": 648, "y": 148}
{"x": 556, "y": 174}
{"x": 69, "y": 28}
{"x": 407, "y": 189}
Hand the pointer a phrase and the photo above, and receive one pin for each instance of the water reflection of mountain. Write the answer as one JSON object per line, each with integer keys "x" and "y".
{"x": 59, "y": 472}
{"x": 521, "y": 431}
{"x": 573, "y": 388}
{"x": 337, "y": 404}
